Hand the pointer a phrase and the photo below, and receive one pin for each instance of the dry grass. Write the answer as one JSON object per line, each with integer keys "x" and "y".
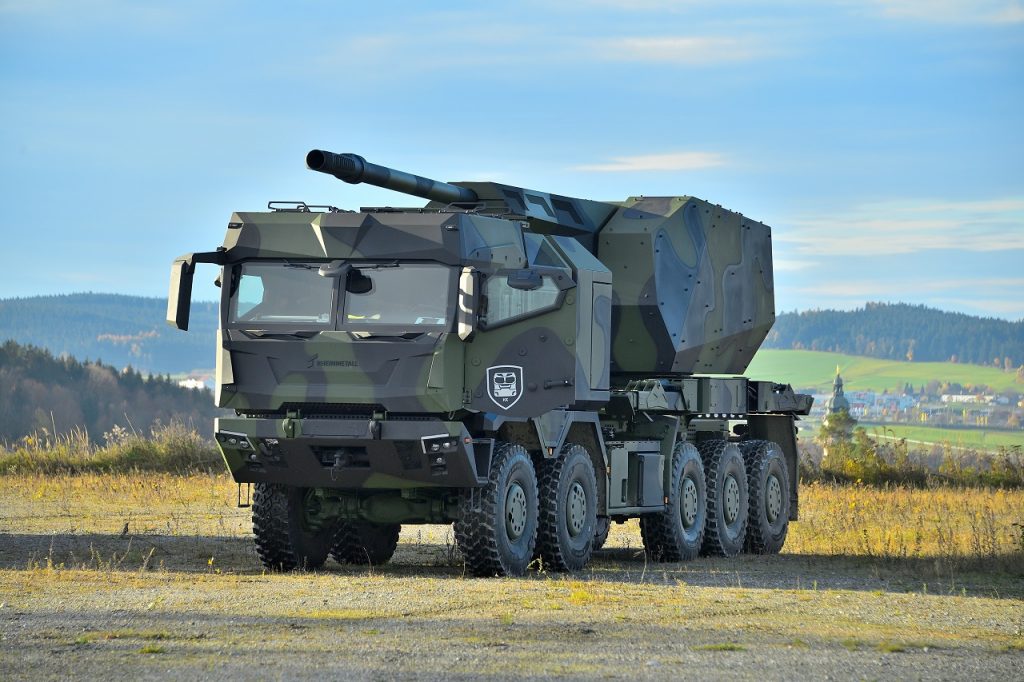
{"x": 149, "y": 503}
{"x": 184, "y": 581}
{"x": 956, "y": 526}
{"x": 175, "y": 447}
{"x": 940, "y": 539}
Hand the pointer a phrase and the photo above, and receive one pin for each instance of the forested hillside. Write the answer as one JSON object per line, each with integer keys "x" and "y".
{"x": 897, "y": 331}
{"x": 121, "y": 331}
{"x": 39, "y": 391}
{"x": 130, "y": 331}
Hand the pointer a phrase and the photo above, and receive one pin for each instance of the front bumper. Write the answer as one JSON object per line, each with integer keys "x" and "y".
{"x": 353, "y": 453}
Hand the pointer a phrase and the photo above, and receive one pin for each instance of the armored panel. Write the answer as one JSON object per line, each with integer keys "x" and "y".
{"x": 635, "y": 478}
{"x": 693, "y": 286}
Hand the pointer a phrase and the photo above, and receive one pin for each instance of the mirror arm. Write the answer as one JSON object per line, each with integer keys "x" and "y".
{"x": 179, "y": 293}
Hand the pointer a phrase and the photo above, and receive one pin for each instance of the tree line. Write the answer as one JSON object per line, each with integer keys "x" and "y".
{"x": 40, "y": 393}
{"x": 899, "y": 331}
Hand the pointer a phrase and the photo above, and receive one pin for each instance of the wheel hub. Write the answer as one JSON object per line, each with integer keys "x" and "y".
{"x": 688, "y": 508}
{"x": 732, "y": 499}
{"x": 515, "y": 511}
{"x": 576, "y": 509}
{"x": 773, "y": 498}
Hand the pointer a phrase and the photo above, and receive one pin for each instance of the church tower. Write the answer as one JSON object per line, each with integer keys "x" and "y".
{"x": 838, "y": 424}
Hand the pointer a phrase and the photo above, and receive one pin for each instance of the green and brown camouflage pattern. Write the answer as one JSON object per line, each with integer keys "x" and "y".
{"x": 435, "y": 372}
{"x": 694, "y": 289}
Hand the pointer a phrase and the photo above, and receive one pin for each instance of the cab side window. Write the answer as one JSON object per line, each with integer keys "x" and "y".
{"x": 505, "y": 303}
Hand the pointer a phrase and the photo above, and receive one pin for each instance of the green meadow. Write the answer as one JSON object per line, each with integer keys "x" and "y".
{"x": 980, "y": 439}
{"x": 814, "y": 370}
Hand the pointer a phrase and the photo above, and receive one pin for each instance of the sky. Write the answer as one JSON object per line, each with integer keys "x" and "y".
{"x": 883, "y": 140}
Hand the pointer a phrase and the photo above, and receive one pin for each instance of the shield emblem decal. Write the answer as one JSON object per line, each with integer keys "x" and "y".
{"x": 505, "y": 385}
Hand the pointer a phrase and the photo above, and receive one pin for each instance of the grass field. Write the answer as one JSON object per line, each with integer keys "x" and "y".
{"x": 958, "y": 438}
{"x": 154, "y": 575}
{"x": 816, "y": 370}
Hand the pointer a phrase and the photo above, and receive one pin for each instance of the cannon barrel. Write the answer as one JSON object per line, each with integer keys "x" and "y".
{"x": 354, "y": 169}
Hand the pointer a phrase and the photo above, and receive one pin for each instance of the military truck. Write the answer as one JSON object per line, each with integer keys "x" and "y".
{"x": 527, "y": 366}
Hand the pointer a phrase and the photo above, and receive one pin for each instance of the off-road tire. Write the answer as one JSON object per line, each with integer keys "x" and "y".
{"x": 768, "y": 483}
{"x": 728, "y": 498}
{"x": 492, "y": 543}
{"x": 677, "y": 533}
{"x": 362, "y": 543}
{"x": 283, "y": 542}
{"x": 568, "y": 509}
{"x": 603, "y": 527}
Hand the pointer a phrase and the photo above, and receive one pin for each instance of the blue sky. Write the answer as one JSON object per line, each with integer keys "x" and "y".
{"x": 883, "y": 140}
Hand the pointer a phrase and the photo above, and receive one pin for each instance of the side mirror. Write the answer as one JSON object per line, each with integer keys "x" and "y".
{"x": 524, "y": 280}
{"x": 179, "y": 292}
{"x": 465, "y": 315}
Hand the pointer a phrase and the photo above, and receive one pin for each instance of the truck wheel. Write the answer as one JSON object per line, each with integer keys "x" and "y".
{"x": 284, "y": 542}
{"x": 603, "y": 527}
{"x": 728, "y": 500}
{"x": 359, "y": 542}
{"x": 568, "y": 509}
{"x": 768, "y": 482}
{"x": 496, "y": 530}
{"x": 677, "y": 533}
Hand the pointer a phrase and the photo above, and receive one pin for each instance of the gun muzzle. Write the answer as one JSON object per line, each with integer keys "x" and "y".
{"x": 354, "y": 169}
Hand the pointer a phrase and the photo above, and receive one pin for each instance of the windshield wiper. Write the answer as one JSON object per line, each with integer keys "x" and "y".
{"x": 378, "y": 266}
{"x": 264, "y": 334}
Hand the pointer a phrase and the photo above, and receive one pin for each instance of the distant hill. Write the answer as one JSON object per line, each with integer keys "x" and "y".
{"x": 130, "y": 331}
{"x": 897, "y": 331}
{"x": 39, "y": 391}
{"x": 119, "y": 330}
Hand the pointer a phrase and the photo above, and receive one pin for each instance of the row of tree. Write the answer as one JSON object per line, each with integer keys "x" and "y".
{"x": 898, "y": 331}
{"x": 41, "y": 393}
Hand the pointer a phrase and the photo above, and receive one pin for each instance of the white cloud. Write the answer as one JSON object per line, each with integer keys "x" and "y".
{"x": 793, "y": 265}
{"x": 1009, "y": 308}
{"x": 910, "y": 227}
{"x": 954, "y": 11}
{"x": 883, "y": 288}
{"x": 995, "y": 296}
{"x": 930, "y": 11}
{"x": 675, "y": 161}
{"x": 690, "y": 50}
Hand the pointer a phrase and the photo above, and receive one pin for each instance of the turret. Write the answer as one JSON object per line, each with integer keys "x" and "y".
{"x": 693, "y": 287}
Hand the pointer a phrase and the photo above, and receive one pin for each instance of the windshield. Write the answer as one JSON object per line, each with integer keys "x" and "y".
{"x": 296, "y": 294}
{"x": 410, "y": 294}
{"x": 282, "y": 293}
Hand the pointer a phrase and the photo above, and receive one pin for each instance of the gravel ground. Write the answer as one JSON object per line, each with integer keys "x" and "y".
{"x": 180, "y": 615}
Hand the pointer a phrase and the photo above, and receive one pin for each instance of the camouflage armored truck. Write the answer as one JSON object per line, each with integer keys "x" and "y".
{"x": 527, "y": 366}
